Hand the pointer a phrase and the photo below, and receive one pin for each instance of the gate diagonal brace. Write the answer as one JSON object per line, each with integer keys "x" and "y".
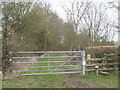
{"x": 62, "y": 64}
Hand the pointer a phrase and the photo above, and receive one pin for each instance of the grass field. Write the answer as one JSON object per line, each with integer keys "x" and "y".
{"x": 101, "y": 81}
{"x": 90, "y": 80}
{"x": 63, "y": 81}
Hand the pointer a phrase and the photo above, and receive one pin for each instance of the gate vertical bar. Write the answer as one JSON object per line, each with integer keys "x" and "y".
{"x": 83, "y": 62}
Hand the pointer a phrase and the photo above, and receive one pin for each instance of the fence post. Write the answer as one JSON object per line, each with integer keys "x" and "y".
{"x": 83, "y": 62}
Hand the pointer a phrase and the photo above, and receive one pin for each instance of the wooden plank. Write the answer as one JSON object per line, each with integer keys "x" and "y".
{"x": 104, "y": 73}
{"x": 102, "y": 69}
{"x": 99, "y": 59}
{"x": 99, "y": 47}
{"x": 88, "y": 65}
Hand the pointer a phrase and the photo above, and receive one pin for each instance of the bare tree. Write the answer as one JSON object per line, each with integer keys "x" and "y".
{"x": 90, "y": 19}
{"x": 76, "y": 12}
{"x": 115, "y": 5}
{"x": 97, "y": 24}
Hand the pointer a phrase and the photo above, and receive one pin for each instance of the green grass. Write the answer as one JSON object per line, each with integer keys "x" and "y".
{"x": 101, "y": 81}
{"x": 0, "y": 84}
{"x": 55, "y": 81}
{"x": 44, "y": 81}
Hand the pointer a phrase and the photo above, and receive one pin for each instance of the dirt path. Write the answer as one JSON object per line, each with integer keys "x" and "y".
{"x": 75, "y": 81}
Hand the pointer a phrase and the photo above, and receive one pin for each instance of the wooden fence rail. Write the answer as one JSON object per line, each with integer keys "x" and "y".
{"x": 103, "y": 64}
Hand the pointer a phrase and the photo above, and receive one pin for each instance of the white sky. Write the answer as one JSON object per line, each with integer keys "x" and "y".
{"x": 57, "y": 5}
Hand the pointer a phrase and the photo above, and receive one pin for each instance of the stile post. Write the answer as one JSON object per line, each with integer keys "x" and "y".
{"x": 83, "y": 62}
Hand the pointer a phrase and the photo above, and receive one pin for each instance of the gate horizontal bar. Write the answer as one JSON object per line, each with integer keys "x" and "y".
{"x": 48, "y": 57}
{"x": 45, "y": 66}
{"x": 51, "y": 73}
{"x": 49, "y": 52}
{"x": 46, "y": 62}
{"x": 45, "y": 70}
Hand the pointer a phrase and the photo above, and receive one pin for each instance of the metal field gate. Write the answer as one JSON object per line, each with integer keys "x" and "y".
{"x": 48, "y": 62}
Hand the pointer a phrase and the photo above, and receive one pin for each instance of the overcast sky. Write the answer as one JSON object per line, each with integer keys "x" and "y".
{"x": 57, "y": 5}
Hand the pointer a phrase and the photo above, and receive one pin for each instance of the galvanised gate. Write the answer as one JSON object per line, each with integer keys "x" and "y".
{"x": 49, "y": 62}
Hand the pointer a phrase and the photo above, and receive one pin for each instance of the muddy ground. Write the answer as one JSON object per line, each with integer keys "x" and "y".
{"x": 75, "y": 81}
